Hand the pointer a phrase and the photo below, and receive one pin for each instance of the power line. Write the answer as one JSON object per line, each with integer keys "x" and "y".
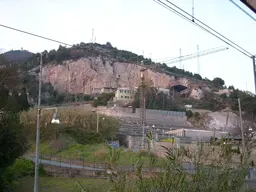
{"x": 35, "y": 35}
{"x": 209, "y": 30}
{"x": 207, "y": 26}
{"x": 242, "y": 10}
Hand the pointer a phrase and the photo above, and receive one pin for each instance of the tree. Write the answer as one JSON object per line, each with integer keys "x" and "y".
{"x": 197, "y": 76}
{"x": 231, "y": 87}
{"x": 12, "y": 138}
{"x": 108, "y": 44}
{"x": 13, "y": 143}
{"x": 218, "y": 82}
{"x": 103, "y": 99}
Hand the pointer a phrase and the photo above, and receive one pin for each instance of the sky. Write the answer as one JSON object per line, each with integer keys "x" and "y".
{"x": 140, "y": 26}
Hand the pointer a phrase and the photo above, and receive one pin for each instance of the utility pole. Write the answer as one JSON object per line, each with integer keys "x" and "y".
{"x": 142, "y": 106}
{"x": 227, "y": 117}
{"x": 181, "y": 61}
{"x": 254, "y": 72}
{"x": 193, "y": 11}
{"x": 97, "y": 116}
{"x": 92, "y": 36}
{"x": 38, "y": 124}
{"x": 198, "y": 64}
{"x": 241, "y": 127}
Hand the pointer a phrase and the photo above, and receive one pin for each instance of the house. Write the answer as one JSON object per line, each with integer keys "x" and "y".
{"x": 124, "y": 94}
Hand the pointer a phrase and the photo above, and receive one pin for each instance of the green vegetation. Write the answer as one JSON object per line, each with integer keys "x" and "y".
{"x": 102, "y": 99}
{"x": 51, "y": 184}
{"x": 218, "y": 82}
{"x": 174, "y": 70}
{"x": 158, "y": 100}
{"x": 13, "y": 140}
{"x": 214, "y": 171}
{"x": 19, "y": 169}
{"x": 49, "y": 95}
{"x": 78, "y": 123}
{"x": 90, "y": 153}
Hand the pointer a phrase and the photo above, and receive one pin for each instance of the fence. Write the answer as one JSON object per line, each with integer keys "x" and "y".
{"x": 72, "y": 167}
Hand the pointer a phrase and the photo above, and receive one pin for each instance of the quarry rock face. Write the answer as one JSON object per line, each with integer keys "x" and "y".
{"x": 218, "y": 120}
{"x": 86, "y": 74}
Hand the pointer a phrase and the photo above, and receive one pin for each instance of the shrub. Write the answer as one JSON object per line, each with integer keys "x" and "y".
{"x": 197, "y": 115}
{"x": 189, "y": 114}
{"x": 84, "y": 138}
{"x": 215, "y": 174}
{"x": 81, "y": 124}
{"x": 19, "y": 169}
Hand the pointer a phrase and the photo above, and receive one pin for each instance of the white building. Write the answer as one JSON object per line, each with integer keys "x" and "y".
{"x": 124, "y": 94}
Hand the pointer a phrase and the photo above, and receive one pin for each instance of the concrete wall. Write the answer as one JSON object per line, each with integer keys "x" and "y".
{"x": 197, "y": 134}
{"x": 150, "y": 114}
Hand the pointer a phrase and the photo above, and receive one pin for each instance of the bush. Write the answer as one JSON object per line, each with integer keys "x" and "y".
{"x": 81, "y": 124}
{"x": 102, "y": 99}
{"x": 85, "y": 138}
{"x": 209, "y": 173}
{"x": 189, "y": 114}
{"x": 197, "y": 115}
{"x": 19, "y": 169}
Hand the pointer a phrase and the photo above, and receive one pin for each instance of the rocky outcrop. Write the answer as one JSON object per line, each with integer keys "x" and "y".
{"x": 222, "y": 121}
{"x": 86, "y": 74}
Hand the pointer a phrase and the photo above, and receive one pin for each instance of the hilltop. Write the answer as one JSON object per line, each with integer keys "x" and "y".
{"x": 17, "y": 55}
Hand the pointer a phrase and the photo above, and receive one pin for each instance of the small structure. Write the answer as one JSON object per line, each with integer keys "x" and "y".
{"x": 96, "y": 90}
{"x": 188, "y": 107}
{"x": 224, "y": 91}
{"x": 124, "y": 94}
{"x": 107, "y": 90}
{"x": 164, "y": 90}
{"x": 197, "y": 134}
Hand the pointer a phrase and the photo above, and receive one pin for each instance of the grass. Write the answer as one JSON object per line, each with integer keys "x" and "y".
{"x": 97, "y": 153}
{"x": 50, "y": 184}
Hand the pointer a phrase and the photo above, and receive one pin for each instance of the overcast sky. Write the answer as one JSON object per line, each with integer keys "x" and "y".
{"x": 140, "y": 26}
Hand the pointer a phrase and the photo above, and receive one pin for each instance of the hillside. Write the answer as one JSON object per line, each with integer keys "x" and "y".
{"x": 86, "y": 67}
{"x": 17, "y": 55}
{"x": 71, "y": 74}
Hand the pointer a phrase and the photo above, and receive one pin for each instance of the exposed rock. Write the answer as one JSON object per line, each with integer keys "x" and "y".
{"x": 81, "y": 76}
{"x": 218, "y": 121}
{"x": 197, "y": 93}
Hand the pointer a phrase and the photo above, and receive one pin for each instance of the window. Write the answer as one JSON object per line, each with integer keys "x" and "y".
{"x": 121, "y": 96}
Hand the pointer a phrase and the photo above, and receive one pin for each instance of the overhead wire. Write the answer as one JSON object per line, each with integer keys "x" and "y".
{"x": 195, "y": 19}
{"x": 225, "y": 40}
{"x": 234, "y": 3}
{"x": 35, "y": 35}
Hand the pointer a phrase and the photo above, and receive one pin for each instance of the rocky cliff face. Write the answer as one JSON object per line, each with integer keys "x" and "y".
{"x": 86, "y": 74}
